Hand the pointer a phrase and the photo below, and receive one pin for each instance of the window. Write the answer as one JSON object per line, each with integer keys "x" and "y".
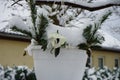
{"x": 117, "y": 62}
{"x": 101, "y": 62}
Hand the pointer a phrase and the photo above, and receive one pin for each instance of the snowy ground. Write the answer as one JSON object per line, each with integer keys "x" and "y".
{"x": 110, "y": 29}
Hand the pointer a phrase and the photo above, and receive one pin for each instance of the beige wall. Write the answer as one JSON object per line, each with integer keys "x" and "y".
{"x": 11, "y": 53}
{"x": 108, "y": 58}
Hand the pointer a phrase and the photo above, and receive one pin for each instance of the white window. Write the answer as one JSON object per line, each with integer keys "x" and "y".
{"x": 101, "y": 62}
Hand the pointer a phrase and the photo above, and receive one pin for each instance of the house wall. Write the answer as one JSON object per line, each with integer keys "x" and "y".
{"x": 108, "y": 56}
{"x": 11, "y": 53}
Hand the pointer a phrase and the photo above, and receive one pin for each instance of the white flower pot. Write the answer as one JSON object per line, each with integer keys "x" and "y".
{"x": 68, "y": 65}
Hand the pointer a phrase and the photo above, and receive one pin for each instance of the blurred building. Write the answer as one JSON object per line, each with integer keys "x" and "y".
{"x": 12, "y": 49}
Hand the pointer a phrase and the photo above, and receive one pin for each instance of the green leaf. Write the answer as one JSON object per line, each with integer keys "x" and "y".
{"x": 31, "y": 76}
{"x": 90, "y": 33}
{"x": 28, "y": 33}
{"x": 41, "y": 34}
{"x": 96, "y": 27}
{"x": 87, "y": 32}
{"x": 33, "y": 10}
{"x": 44, "y": 44}
{"x": 83, "y": 46}
{"x": 104, "y": 17}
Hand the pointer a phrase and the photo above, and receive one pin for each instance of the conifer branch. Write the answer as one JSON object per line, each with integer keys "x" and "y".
{"x": 14, "y": 28}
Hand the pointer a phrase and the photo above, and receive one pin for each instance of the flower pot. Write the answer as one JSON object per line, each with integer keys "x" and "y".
{"x": 68, "y": 65}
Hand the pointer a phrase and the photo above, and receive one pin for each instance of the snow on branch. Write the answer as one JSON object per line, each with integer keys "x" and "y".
{"x": 81, "y": 4}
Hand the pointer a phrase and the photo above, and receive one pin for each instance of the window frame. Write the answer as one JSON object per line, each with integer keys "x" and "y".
{"x": 118, "y": 62}
{"x": 102, "y": 62}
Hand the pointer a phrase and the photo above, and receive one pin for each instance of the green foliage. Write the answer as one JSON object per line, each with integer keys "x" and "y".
{"x": 7, "y": 73}
{"x": 28, "y": 33}
{"x": 33, "y": 10}
{"x": 41, "y": 34}
{"x": 96, "y": 47}
{"x": 104, "y": 17}
{"x": 18, "y": 76}
{"x": 39, "y": 29}
{"x": 23, "y": 74}
{"x": 102, "y": 74}
{"x": 16, "y": 73}
{"x": 90, "y": 33}
{"x": 93, "y": 38}
{"x": 83, "y": 46}
{"x": 31, "y": 76}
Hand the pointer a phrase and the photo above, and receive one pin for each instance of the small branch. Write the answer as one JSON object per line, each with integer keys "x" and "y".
{"x": 16, "y": 2}
{"x": 84, "y": 5}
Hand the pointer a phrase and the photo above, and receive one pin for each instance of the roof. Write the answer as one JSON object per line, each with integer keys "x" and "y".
{"x": 20, "y": 37}
{"x": 14, "y": 36}
{"x": 110, "y": 49}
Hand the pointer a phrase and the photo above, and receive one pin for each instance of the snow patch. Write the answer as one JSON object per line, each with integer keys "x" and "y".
{"x": 73, "y": 35}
